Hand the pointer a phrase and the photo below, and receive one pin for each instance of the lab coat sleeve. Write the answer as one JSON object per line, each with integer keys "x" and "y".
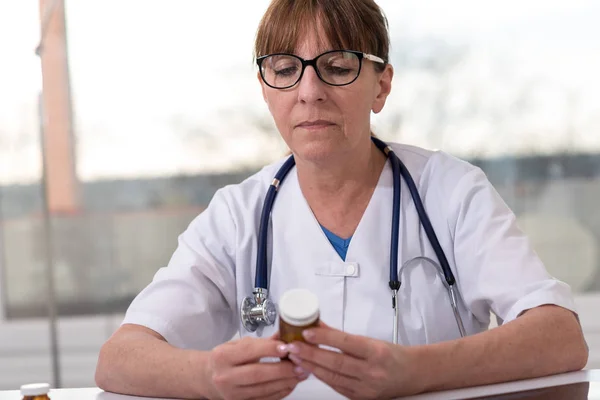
{"x": 497, "y": 267}
{"x": 191, "y": 301}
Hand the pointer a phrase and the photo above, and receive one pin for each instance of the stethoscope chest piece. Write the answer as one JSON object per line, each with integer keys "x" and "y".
{"x": 258, "y": 310}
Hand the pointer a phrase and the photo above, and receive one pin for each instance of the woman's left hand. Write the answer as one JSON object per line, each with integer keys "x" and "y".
{"x": 365, "y": 369}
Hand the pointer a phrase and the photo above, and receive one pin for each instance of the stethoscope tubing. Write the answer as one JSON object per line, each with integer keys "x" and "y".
{"x": 261, "y": 279}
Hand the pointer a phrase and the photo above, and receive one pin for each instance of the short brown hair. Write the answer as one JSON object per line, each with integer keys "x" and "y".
{"x": 348, "y": 24}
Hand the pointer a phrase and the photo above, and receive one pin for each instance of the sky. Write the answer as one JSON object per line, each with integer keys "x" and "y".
{"x": 168, "y": 87}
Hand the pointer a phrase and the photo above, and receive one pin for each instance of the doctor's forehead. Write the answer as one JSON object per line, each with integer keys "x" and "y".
{"x": 333, "y": 24}
{"x": 311, "y": 43}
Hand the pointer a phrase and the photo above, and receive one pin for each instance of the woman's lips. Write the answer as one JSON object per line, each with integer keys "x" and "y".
{"x": 315, "y": 125}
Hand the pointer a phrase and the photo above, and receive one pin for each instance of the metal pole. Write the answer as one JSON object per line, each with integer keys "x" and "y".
{"x": 46, "y": 17}
{"x": 49, "y": 257}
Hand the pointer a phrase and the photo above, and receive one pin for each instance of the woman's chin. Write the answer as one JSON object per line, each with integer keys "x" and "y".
{"x": 318, "y": 152}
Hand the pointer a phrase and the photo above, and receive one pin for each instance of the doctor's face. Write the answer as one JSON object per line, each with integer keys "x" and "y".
{"x": 319, "y": 121}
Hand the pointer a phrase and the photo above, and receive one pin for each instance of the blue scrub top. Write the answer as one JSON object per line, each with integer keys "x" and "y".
{"x": 339, "y": 244}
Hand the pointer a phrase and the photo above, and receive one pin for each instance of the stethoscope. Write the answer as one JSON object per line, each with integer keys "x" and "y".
{"x": 259, "y": 311}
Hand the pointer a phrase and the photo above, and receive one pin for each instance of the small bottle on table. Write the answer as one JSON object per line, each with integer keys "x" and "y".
{"x": 35, "y": 391}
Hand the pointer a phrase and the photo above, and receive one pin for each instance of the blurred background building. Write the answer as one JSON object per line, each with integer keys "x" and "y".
{"x": 142, "y": 109}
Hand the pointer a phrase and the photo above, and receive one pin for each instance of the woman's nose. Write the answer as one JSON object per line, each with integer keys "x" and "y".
{"x": 311, "y": 88}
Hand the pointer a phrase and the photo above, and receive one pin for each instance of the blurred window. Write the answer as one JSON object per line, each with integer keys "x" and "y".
{"x": 509, "y": 86}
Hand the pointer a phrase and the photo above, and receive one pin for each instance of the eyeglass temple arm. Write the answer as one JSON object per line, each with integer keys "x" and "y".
{"x": 373, "y": 58}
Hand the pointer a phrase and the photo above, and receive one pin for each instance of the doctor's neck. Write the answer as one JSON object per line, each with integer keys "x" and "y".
{"x": 340, "y": 186}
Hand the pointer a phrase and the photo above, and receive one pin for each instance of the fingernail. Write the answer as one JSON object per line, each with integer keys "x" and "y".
{"x": 299, "y": 371}
{"x": 292, "y": 348}
{"x": 295, "y": 359}
{"x": 308, "y": 334}
{"x": 282, "y": 348}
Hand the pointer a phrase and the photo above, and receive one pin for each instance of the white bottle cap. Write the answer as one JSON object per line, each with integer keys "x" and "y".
{"x": 35, "y": 389}
{"x": 299, "y": 307}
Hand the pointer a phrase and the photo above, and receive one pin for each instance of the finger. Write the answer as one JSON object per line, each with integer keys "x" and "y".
{"x": 251, "y": 374}
{"x": 252, "y": 349}
{"x": 332, "y": 378}
{"x": 343, "y": 363}
{"x": 263, "y": 390}
{"x": 355, "y": 345}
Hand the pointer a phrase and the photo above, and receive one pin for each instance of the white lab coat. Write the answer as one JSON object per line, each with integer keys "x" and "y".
{"x": 194, "y": 301}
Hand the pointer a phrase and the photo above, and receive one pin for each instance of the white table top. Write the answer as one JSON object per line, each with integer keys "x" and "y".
{"x": 314, "y": 389}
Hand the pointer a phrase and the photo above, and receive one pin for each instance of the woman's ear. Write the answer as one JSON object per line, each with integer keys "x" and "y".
{"x": 384, "y": 88}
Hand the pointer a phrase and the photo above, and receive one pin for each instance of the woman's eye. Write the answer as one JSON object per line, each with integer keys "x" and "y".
{"x": 288, "y": 71}
{"x": 332, "y": 69}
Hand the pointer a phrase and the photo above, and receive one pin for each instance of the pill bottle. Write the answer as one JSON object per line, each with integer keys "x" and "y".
{"x": 35, "y": 391}
{"x": 298, "y": 310}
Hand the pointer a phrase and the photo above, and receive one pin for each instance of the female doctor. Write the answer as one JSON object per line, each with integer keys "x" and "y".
{"x": 323, "y": 69}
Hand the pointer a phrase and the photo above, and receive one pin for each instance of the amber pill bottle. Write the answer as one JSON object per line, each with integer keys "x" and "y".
{"x": 298, "y": 310}
{"x": 35, "y": 391}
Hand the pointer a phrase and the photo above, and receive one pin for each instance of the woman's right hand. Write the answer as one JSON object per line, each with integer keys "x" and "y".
{"x": 233, "y": 370}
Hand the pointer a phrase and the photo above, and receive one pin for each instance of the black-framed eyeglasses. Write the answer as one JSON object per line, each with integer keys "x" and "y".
{"x": 335, "y": 67}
